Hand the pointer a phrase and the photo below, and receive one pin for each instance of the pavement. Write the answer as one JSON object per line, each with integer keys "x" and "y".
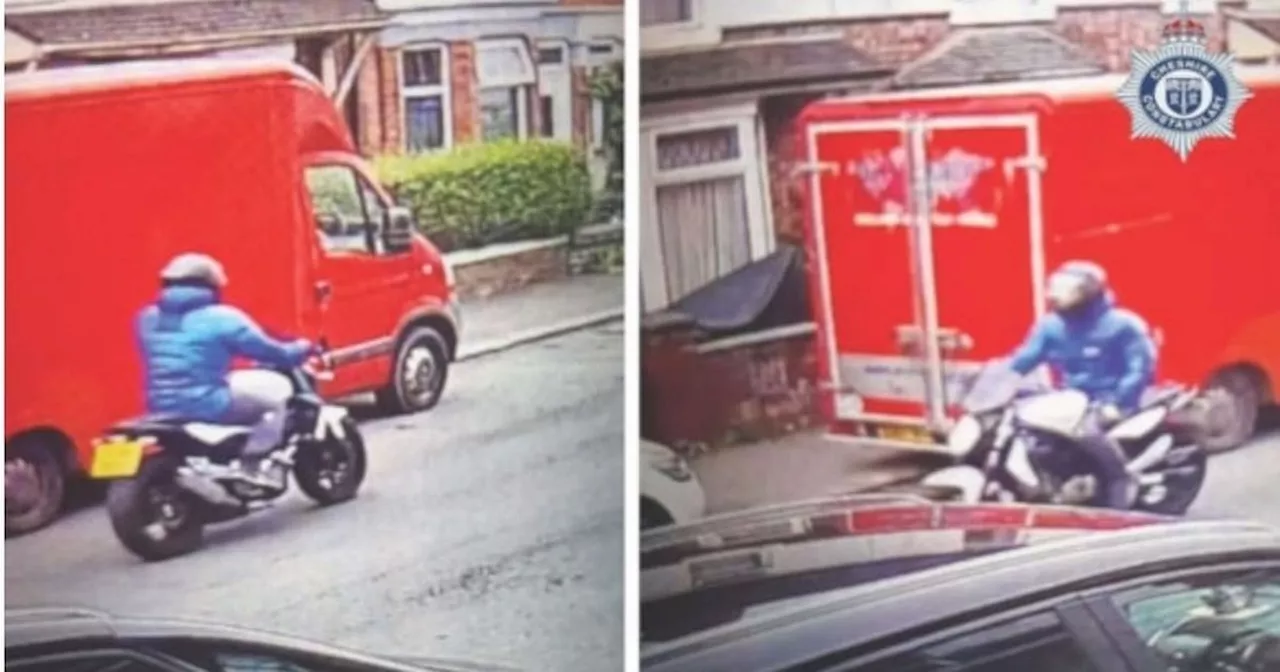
{"x": 1240, "y": 483}
{"x": 539, "y": 311}
{"x": 490, "y": 528}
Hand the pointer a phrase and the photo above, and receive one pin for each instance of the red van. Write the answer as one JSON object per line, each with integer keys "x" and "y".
{"x": 113, "y": 170}
{"x": 1020, "y": 178}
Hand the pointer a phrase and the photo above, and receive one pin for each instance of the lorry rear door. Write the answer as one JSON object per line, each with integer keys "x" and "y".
{"x": 360, "y": 286}
{"x": 928, "y": 240}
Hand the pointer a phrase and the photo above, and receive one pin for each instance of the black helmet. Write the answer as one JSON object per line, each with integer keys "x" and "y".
{"x": 1075, "y": 284}
{"x": 193, "y": 267}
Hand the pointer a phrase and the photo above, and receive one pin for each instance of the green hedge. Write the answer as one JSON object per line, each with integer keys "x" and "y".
{"x": 493, "y": 192}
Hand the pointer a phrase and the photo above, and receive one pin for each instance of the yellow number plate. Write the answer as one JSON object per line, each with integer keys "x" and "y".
{"x": 905, "y": 433}
{"x": 116, "y": 459}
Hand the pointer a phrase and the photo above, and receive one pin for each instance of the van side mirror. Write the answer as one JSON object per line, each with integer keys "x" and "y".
{"x": 397, "y": 235}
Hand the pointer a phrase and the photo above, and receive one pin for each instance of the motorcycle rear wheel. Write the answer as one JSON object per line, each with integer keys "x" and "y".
{"x": 154, "y": 517}
{"x": 332, "y": 471}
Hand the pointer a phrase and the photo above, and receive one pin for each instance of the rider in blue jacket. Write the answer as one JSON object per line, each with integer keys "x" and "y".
{"x": 188, "y": 340}
{"x": 1100, "y": 349}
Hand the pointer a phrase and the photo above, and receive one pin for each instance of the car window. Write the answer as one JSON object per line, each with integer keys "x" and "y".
{"x": 1038, "y": 643}
{"x": 338, "y": 206}
{"x": 86, "y": 661}
{"x": 1211, "y": 623}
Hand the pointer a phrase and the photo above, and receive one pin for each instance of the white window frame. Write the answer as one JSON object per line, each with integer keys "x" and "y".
{"x": 751, "y": 165}
{"x": 556, "y": 80}
{"x": 443, "y": 89}
{"x": 522, "y": 85}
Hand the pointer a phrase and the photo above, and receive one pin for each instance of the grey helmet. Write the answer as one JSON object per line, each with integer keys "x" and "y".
{"x": 194, "y": 267}
{"x": 1075, "y": 284}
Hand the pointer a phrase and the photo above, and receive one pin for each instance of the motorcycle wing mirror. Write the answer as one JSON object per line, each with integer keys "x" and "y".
{"x": 397, "y": 234}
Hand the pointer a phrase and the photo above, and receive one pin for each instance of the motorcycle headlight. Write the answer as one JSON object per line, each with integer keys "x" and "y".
{"x": 964, "y": 436}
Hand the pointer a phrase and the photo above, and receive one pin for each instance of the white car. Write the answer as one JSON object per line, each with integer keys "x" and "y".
{"x": 669, "y": 490}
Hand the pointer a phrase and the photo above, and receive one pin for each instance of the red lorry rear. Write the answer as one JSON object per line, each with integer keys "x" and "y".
{"x": 1019, "y": 178}
{"x": 111, "y": 171}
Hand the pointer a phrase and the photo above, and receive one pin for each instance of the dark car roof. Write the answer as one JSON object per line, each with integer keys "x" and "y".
{"x": 861, "y": 616}
{"x": 32, "y": 627}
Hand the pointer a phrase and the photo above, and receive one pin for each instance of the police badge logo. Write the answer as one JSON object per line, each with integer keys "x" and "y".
{"x": 1181, "y": 93}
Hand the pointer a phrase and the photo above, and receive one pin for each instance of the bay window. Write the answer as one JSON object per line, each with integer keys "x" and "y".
{"x": 506, "y": 76}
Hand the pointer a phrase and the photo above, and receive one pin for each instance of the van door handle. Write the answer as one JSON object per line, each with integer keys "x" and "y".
{"x": 323, "y": 290}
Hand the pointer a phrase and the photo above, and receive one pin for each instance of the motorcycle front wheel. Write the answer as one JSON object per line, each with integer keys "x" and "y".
{"x": 1182, "y": 484}
{"x": 152, "y": 515}
{"x": 331, "y": 471}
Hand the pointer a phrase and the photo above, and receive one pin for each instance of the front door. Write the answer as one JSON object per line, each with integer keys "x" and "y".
{"x": 361, "y": 287}
{"x": 909, "y": 311}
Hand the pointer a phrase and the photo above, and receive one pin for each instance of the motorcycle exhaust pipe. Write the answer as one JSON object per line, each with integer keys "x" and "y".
{"x": 205, "y": 488}
{"x": 1157, "y": 451}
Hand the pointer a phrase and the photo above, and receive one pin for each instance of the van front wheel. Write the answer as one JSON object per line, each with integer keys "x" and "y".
{"x": 418, "y": 376}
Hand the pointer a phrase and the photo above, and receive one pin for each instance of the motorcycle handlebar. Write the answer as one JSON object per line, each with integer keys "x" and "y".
{"x": 319, "y": 366}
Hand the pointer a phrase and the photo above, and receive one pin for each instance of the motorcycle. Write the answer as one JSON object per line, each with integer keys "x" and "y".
{"x": 1015, "y": 443}
{"x": 169, "y": 478}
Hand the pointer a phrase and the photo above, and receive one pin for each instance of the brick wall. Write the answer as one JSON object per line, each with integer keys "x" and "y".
{"x": 720, "y": 398}
{"x": 462, "y": 92}
{"x": 480, "y": 279}
{"x": 369, "y": 102}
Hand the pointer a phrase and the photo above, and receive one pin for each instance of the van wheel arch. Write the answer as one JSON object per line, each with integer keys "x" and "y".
{"x": 59, "y": 449}
{"x": 1244, "y": 388}
{"x": 441, "y": 338}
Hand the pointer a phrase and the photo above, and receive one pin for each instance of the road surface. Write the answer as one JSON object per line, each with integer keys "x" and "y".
{"x": 1242, "y": 483}
{"x": 489, "y": 528}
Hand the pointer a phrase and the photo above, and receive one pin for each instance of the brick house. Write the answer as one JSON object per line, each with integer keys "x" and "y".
{"x": 449, "y": 73}
{"x": 330, "y": 38}
{"x": 721, "y": 88}
{"x": 410, "y": 75}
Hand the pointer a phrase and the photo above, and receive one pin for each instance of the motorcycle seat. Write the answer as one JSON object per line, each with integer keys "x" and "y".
{"x": 208, "y": 433}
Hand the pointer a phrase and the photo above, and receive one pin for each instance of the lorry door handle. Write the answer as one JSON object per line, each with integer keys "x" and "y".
{"x": 323, "y": 290}
{"x": 954, "y": 340}
{"x": 911, "y": 339}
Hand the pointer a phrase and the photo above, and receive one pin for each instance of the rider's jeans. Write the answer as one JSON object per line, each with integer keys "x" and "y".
{"x": 259, "y": 400}
{"x": 1107, "y": 455}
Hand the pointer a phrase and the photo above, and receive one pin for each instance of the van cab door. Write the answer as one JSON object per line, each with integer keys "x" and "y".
{"x": 360, "y": 286}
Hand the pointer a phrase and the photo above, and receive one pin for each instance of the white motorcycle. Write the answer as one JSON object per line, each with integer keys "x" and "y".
{"x": 1016, "y": 443}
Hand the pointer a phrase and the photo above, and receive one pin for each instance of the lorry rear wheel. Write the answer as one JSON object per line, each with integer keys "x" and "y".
{"x": 1233, "y": 413}
{"x": 35, "y": 481}
{"x": 419, "y": 374}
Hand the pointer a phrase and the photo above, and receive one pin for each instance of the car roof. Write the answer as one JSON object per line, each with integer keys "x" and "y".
{"x": 30, "y": 627}
{"x": 863, "y": 615}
